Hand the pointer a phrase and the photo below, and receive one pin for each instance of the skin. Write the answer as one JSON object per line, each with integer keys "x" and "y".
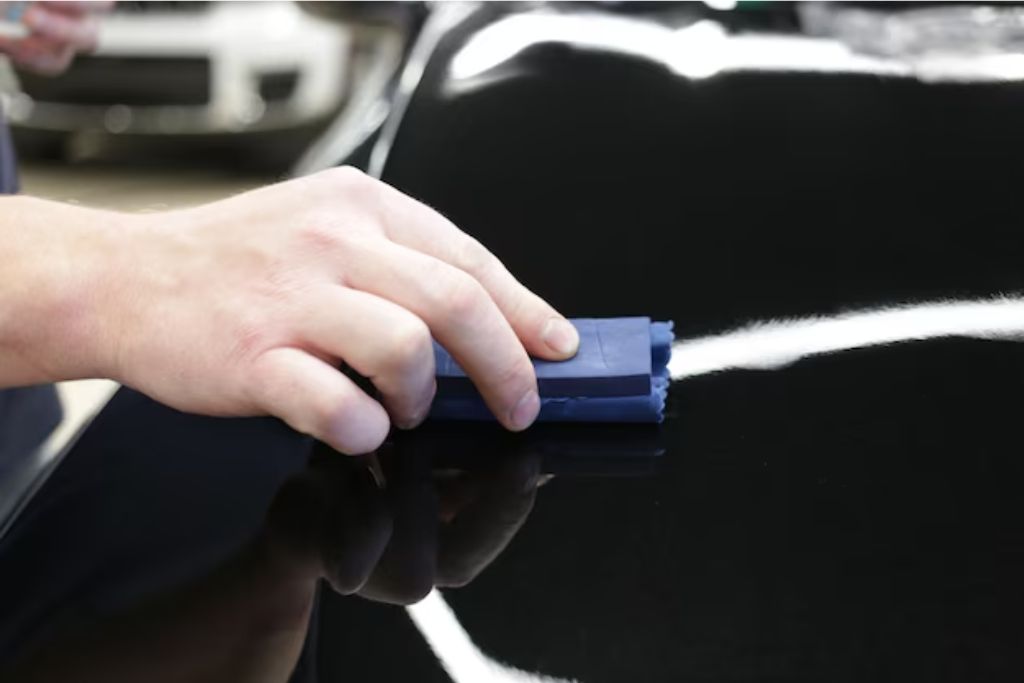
{"x": 57, "y": 32}
{"x": 248, "y": 306}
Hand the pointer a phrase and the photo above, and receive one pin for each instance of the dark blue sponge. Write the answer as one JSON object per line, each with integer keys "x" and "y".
{"x": 618, "y": 375}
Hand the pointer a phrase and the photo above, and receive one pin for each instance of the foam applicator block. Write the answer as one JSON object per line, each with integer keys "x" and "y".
{"x": 618, "y": 375}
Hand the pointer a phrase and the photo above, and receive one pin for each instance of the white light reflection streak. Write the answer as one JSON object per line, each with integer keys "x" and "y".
{"x": 698, "y": 50}
{"x": 705, "y": 48}
{"x": 457, "y": 652}
{"x": 777, "y": 343}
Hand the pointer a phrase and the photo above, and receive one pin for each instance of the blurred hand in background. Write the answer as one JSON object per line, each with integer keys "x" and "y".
{"x": 57, "y": 31}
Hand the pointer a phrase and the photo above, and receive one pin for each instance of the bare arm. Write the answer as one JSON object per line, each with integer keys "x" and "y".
{"x": 246, "y": 306}
{"x": 56, "y": 276}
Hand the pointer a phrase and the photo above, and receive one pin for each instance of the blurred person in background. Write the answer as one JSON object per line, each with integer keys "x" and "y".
{"x": 247, "y": 306}
{"x": 56, "y": 32}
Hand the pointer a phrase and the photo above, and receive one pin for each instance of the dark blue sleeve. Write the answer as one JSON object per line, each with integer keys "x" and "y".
{"x": 29, "y": 414}
{"x": 8, "y": 161}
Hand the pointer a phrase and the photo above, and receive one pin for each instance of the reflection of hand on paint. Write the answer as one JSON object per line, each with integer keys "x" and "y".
{"x": 54, "y": 32}
{"x": 247, "y": 619}
{"x": 427, "y": 529}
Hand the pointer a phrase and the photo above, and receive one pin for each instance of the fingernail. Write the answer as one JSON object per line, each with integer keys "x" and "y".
{"x": 526, "y": 410}
{"x": 561, "y": 336}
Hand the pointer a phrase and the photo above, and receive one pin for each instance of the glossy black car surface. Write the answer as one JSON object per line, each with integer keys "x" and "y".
{"x": 858, "y": 517}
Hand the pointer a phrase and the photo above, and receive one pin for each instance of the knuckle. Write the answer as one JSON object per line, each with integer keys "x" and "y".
{"x": 514, "y": 378}
{"x": 321, "y": 235}
{"x": 249, "y": 339}
{"x": 460, "y": 297}
{"x": 353, "y": 185}
{"x": 328, "y": 409}
{"x": 474, "y": 258}
{"x": 346, "y": 176}
{"x": 409, "y": 346}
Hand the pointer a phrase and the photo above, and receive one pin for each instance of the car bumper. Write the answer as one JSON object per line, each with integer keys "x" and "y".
{"x": 233, "y": 67}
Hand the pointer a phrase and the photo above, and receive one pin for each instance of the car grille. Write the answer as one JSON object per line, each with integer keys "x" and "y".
{"x": 137, "y": 6}
{"x": 278, "y": 86}
{"x": 133, "y": 81}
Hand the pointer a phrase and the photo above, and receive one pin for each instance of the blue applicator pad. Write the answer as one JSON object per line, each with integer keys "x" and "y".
{"x": 618, "y": 375}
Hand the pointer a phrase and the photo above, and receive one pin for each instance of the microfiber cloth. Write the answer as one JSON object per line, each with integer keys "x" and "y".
{"x": 619, "y": 374}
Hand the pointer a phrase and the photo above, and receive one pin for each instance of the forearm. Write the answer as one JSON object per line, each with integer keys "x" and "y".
{"x": 58, "y": 266}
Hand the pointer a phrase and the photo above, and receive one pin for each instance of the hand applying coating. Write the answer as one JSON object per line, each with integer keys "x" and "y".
{"x": 247, "y": 306}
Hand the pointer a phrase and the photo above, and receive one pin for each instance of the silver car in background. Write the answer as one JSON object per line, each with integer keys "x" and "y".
{"x": 186, "y": 68}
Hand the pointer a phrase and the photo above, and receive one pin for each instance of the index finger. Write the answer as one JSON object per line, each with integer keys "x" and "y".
{"x": 544, "y": 332}
{"x": 460, "y": 315}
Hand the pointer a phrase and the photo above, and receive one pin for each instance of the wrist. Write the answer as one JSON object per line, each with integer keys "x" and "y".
{"x": 99, "y": 293}
{"x": 71, "y": 274}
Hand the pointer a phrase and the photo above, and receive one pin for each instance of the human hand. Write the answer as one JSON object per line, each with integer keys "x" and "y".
{"x": 57, "y": 31}
{"x": 245, "y": 307}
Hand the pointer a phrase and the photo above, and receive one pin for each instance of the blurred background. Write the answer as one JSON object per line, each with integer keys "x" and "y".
{"x": 185, "y": 101}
